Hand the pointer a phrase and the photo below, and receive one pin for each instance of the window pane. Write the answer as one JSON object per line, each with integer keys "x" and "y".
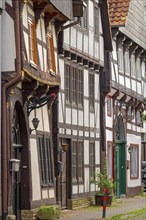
{"x": 127, "y": 66}
{"x": 67, "y": 83}
{"x": 132, "y": 65}
{"x": 92, "y": 159}
{"x": 109, "y": 106}
{"x": 80, "y": 87}
{"x": 91, "y": 90}
{"x": 74, "y": 85}
{"x": 51, "y": 58}
{"x": 120, "y": 59}
{"x": 96, "y": 21}
{"x": 32, "y": 41}
{"x": 74, "y": 161}
{"x": 80, "y": 161}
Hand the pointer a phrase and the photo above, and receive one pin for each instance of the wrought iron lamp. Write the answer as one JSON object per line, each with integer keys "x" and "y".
{"x": 35, "y": 122}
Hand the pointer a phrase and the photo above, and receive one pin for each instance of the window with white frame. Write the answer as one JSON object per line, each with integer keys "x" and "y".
{"x": 109, "y": 159}
{"x": 92, "y": 159}
{"x": 126, "y": 62}
{"x": 134, "y": 162}
{"x": 138, "y": 68}
{"x": 132, "y": 62}
{"x": 120, "y": 59}
{"x": 96, "y": 21}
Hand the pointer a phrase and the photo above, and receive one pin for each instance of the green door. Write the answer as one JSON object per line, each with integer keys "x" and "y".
{"x": 120, "y": 168}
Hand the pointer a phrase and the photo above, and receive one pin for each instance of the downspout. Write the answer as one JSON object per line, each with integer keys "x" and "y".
{"x": 5, "y": 89}
{"x": 71, "y": 24}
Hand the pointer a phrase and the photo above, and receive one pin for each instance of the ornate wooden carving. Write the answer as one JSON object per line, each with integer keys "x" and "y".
{"x": 28, "y": 89}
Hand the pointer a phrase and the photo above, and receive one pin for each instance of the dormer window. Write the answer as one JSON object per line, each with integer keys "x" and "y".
{"x": 32, "y": 42}
{"x": 120, "y": 59}
{"x": 51, "y": 56}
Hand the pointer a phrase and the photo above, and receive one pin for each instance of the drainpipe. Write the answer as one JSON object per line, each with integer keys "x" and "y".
{"x": 71, "y": 24}
{"x": 5, "y": 89}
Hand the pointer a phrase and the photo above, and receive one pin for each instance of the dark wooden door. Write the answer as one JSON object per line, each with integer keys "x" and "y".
{"x": 63, "y": 182}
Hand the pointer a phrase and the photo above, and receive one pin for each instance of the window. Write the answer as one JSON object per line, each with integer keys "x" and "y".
{"x": 67, "y": 83}
{"x": 109, "y": 158}
{"x": 77, "y": 161}
{"x": 45, "y": 161}
{"x": 80, "y": 87}
{"x": 120, "y": 59}
{"x": 84, "y": 19}
{"x": 73, "y": 85}
{"x": 32, "y": 42}
{"x": 92, "y": 159}
{"x": 91, "y": 90}
{"x": 134, "y": 162}
{"x": 96, "y": 21}
{"x": 109, "y": 107}
{"x": 138, "y": 68}
{"x": 51, "y": 57}
{"x": 132, "y": 65}
{"x": 127, "y": 64}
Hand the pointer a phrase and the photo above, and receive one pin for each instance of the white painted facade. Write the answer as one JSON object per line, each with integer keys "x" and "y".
{"x": 81, "y": 123}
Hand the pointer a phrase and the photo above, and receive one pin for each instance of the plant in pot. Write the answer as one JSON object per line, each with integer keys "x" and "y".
{"x": 48, "y": 212}
{"x": 103, "y": 182}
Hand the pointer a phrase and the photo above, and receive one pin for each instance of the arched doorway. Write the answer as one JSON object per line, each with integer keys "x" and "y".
{"x": 19, "y": 151}
{"x": 120, "y": 157}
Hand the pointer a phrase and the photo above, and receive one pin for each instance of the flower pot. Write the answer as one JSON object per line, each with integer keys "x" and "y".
{"x": 99, "y": 200}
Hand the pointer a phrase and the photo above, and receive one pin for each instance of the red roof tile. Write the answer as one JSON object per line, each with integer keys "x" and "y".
{"x": 118, "y": 10}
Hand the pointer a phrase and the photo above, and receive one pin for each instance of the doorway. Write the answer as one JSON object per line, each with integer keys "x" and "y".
{"x": 120, "y": 157}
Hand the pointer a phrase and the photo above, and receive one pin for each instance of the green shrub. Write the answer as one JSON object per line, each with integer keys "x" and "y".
{"x": 49, "y": 212}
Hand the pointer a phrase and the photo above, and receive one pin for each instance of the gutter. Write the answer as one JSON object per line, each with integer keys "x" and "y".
{"x": 5, "y": 89}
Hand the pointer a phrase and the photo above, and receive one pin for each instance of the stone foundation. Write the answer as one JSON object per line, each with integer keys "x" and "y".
{"x": 80, "y": 202}
{"x": 29, "y": 214}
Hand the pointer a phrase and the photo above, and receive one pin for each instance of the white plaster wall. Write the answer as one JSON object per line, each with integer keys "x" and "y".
{"x": 133, "y": 85}
{"x": 68, "y": 115}
{"x": 114, "y": 70}
{"x": 74, "y": 132}
{"x": 36, "y": 191}
{"x": 97, "y": 87}
{"x": 80, "y": 118}
{"x": 8, "y": 49}
{"x": 97, "y": 152}
{"x": 139, "y": 88}
{"x": 86, "y": 43}
{"x": 45, "y": 118}
{"x": 81, "y": 133}
{"x": 61, "y": 107}
{"x": 97, "y": 118}
{"x": 101, "y": 48}
{"x": 9, "y": 2}
{"x": 45, "y": 193}
{"x": 74, "y": 189}
{"x": 109, "y": 135}
{"x": 66, "y": 35}
{"x": 100, "y": 24}
{"x": 121, "y": 80}
{"x": 86, "y": 179}
{"x": 79, "y": 40}
{"x": 68, "y": 131}
{"x": 90, "y": 12}
{"x": 51, "y": 193}
{"x": 74, "y": 116}
{"x": 73, "y": 38}
{"x": 29, "y": 9}
{"x": 61, "y": 68}
{"x": 109, "y": 121}
{"x": 127, "y": 80}
{"x": 114, "y": 52}
{"x": 81, "y": 188}
{"x": 91, "y": 40}
{"x": 96, "y": 49}
{"x": 134, "y": 139}
{"x": 92, "y": 120}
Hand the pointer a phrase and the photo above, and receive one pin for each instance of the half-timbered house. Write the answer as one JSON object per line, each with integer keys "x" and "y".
{"x": 124, "y": 102}
{"x": 81, "y": 62}
{"x": 30, "y": 84}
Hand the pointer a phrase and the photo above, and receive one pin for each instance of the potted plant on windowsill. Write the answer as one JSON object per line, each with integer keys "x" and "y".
{"x": 49, "y": 212}
{"x": 103, "y": 182}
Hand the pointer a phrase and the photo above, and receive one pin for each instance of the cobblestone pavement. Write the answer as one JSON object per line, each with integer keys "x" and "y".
{"x": 121, "y": 206}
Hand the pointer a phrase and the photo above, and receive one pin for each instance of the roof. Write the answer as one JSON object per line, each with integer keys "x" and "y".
{"x": 118, "y": 10}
